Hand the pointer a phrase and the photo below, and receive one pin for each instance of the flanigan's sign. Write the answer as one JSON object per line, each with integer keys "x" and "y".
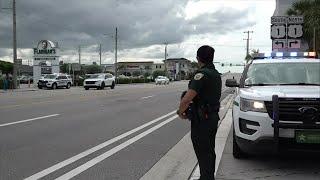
{"x": 45, "y": 47}
{"x": 44, "y": 51}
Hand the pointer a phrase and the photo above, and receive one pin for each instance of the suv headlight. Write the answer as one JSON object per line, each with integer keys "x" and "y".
{"x": 252, "y": 105}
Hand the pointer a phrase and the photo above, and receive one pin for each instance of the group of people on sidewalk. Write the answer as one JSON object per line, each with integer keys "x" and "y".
{"x": 6, "y": 81}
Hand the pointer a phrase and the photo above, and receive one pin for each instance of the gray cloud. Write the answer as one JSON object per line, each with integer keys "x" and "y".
{"x": 141, "y": 23}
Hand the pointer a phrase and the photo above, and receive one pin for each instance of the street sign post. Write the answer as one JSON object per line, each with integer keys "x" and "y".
{"x": 76, "y": 67}
{"x": 285, "y": 32}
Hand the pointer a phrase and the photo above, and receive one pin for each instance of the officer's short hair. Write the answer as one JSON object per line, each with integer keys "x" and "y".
{"x": 206, "y": 54}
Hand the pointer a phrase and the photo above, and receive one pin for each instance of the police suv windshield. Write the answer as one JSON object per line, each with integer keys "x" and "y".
{"x": 283, "y": 74}
{"x": 50, "y": 76}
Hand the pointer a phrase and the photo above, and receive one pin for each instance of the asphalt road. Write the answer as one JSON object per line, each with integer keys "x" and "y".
{"x": 293, "y": 166}
{"x": 89, "y": 134}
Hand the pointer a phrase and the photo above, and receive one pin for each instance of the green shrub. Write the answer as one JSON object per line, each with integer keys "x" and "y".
{"x": 132, "y": 80}
{"x": 123, "y": 81}
{"x": 1, "y": 83}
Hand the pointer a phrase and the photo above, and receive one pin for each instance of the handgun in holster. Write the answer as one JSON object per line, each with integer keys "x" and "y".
{"x": 205, "y": 110}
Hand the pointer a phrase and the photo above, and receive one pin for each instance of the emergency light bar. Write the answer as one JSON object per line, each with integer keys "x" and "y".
{"x": 285, "y": 54}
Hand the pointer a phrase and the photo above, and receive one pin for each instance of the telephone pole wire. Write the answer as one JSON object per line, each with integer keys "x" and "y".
{"x": 248, "y": 40}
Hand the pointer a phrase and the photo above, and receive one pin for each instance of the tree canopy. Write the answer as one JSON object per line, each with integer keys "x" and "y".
{"x": 310, "y": 10}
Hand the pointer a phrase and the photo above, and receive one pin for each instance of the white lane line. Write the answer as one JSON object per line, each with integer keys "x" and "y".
{"x": 28, "y": 120}
{"x": 147, "y": 97}
{"x": 112, "y": 151}
{"x": 92, "y": 150}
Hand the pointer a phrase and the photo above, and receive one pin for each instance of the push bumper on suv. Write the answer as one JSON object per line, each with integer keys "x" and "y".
{"x": 291, "y": 125}
{"x": 91, "y": 84}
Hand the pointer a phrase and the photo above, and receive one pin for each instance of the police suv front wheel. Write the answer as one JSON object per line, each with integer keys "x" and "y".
{"x": 236, "y": 151}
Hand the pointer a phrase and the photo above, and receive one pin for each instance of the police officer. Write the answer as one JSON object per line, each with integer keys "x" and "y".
{"x": 204, "y": 93}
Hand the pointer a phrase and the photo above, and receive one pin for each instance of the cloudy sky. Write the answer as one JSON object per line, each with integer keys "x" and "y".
{"x": 144, "y": 26}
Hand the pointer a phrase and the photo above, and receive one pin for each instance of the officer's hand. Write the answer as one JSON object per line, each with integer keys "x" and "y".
{"x": 182, "y": 115}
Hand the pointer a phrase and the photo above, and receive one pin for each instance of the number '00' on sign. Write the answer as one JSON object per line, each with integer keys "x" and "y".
{"x": 295, "y": 31}
{"x": 278, "y": 31}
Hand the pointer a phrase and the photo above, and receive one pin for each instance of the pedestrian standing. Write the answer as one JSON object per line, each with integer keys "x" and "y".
{"x": 6, "y": 82}
{"x": 204, "y": 92}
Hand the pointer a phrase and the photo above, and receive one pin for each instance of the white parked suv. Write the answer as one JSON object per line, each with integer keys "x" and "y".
{"x": 161, "y": 80}
{"x": 277, "y": 105}
{"x": 55, "y": 81}
{"x": 99, "y": 81}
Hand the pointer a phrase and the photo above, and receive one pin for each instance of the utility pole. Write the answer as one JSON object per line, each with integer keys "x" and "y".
{"x": 100, "y": 53}
{"x": 116, "y": 54}
{"x": 15, "y": 69}
{"x": 165, "y": 56}
{"x": 165, "y": 51}
{"x": 314, "y": 40}
{"x": 248, "y": 41}
{"x": 79, "y": 51}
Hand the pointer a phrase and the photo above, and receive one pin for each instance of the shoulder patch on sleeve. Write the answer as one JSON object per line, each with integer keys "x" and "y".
{"x": 198, "y": 76}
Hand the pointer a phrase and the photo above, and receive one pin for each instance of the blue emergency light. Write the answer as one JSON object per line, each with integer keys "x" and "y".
{"x": 274, "y": 55}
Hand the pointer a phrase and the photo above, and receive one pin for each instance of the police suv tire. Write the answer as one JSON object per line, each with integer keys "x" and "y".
{"x": 113, "y": 85}
{"x": 68, "y": 86}
{"x": 86, "y": 88}
{"x": 102, "y": 85}
{"x": 236, "y": 151}
{"x": 54, "y": 86}
{"x": 40, "y": 87}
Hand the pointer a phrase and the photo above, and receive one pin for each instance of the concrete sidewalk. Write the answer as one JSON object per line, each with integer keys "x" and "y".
{"x": 22, "y": 88}
{"x": 180, "y": 162}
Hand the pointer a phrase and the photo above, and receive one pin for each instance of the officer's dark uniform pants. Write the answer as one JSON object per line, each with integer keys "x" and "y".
{"x": 203, "y": 135}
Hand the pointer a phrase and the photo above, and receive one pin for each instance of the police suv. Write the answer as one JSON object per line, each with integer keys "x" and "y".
{"x": 55, "y": 81}
{"x": 277, "y": 104}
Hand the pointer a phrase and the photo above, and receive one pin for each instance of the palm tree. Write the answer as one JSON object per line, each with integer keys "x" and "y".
{"x": 253, "y": 53}
{"x": 310, "y": 10}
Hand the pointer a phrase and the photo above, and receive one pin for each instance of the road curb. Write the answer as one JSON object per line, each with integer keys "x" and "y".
{"x": 180, "y": 160}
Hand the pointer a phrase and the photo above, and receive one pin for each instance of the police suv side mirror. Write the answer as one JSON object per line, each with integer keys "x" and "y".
{"x": 232, "y": 83}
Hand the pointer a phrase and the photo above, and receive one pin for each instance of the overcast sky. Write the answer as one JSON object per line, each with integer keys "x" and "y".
{"x": 144, "y": 26}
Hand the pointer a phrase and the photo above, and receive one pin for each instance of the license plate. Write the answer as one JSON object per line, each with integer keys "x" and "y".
{"x": 308, "y": 137}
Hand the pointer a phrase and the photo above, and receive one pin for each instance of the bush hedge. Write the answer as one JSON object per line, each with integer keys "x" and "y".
{"x": 1, "y": 83}
{"x": 132, "y": 80}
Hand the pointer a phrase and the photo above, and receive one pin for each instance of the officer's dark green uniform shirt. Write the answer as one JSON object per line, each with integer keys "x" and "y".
{"x": 207, "y": 84}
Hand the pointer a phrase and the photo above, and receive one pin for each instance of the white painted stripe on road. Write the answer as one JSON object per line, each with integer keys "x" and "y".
{"x": 112, "y": 151}
{"x": 92, "y": 150}
{"x": 147, "y": 97}
{"x": 28, "y": 120}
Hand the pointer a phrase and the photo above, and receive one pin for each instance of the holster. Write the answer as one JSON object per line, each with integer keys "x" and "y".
{"x": 205, "y": 110}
